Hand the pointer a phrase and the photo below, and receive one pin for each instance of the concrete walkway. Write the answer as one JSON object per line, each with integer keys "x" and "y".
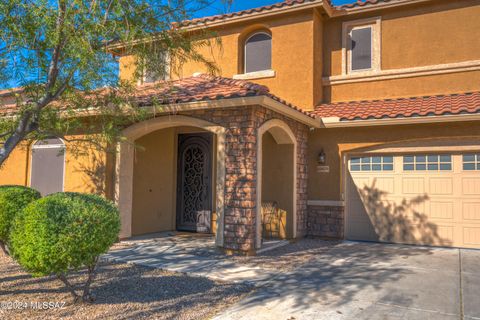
{"x": 195, "y": 255}
{"x": 372, "y": 281}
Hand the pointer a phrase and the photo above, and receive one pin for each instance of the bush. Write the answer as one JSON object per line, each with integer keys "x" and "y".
{"x": 12, "y": 201}
{"x": 64, "y": 232}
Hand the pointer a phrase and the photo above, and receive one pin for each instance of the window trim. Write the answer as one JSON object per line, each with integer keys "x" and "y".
{"x": 52, "y": 146}
{"x": 439, "y": 162}
{"x": 381, "y": 163}
{"x": 347, "y": 26}
{"x": 245, "y": 52}
{"x": 475, "y": 162}
{"x": 142, "y": 79}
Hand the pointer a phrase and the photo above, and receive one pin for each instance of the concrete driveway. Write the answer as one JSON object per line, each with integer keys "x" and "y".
{"x": 372, "y": 281}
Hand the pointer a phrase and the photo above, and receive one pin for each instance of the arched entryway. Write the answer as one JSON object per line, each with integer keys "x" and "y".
{"x": 148, "y": 176}
{"x": 276, "y": 186}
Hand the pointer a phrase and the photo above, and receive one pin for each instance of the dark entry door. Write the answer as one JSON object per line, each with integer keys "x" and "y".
{"x": 194, "y": 182}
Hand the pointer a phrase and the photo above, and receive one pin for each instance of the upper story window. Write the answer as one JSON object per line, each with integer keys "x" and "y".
{"x": 159, "y": 71}
{"x": 361, "y": 46}
{"x": 48, "y": 166}
{"x": 258, "y": 52}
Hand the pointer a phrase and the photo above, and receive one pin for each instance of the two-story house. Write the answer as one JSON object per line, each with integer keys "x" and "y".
{"x": 359, "y": 122}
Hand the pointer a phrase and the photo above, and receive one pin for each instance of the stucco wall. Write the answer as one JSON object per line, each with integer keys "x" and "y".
{"x": 335, "y": 142}
{"x": 405, "y": 87}
{"x": 153, "y": 208}
{"x": 434, "y": 33}
{"x": 292, "y": 56}
{"x": 87, "y": 169}
{"x": 277, "y": 176}
{"x": 15, "y": 169}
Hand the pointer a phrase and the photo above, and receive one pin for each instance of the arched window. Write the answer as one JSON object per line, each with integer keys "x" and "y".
{"x": 48, "y": 166}
{"x": 258, "y": 52}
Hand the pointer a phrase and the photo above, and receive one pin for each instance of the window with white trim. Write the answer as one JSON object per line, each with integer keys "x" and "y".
{"x": 48, "y": 166}
{"x": 432, "y": 162}
{"x": 258, "y": 52}
{"x": 361, "y": 43}
{"x": 471, "y": 162}
{"x": 374, "y": 163}
{"x": 159, "y": 72}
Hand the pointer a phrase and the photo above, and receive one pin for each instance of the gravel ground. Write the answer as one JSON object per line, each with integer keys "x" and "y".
{"x": 122, "y": 291}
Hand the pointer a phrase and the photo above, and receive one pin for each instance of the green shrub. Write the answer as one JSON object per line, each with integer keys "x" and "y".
{"x": 64, "y": 232}
{"x": 12, "y": 201}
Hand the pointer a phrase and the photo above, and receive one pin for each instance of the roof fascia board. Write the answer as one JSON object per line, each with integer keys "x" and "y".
{"x": 374, "y": 7}
{"x": 256, "y": 15}
{"x": 334, "y": 122}
{"x": 264, "y": 101}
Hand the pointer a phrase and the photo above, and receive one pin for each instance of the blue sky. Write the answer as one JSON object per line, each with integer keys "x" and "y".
{"x": 217, "y": 8}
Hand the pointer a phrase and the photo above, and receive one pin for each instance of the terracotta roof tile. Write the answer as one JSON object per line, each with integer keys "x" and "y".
{"x": 281, "y": 5}
{"x": 462, "y": 103}
{"x": 203, "y": 87}
{"x": 197, "y": 88}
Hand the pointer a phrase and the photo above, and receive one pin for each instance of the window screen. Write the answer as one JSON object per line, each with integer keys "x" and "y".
{"x": 361, "y": 47}
{"x": 258, "y": 53}
{"x": 48, "y": 161}
{"x": 159, "y": 72}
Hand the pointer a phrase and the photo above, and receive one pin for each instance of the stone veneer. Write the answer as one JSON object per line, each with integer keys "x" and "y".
{"x": 326, "y": 221}
{"x": 241, "y": 177}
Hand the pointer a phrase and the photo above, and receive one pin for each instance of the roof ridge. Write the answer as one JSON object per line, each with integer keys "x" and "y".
{"x": 258, "y": 88}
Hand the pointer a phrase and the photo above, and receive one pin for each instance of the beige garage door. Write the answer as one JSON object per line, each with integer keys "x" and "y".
{"x": 431, "y": 199}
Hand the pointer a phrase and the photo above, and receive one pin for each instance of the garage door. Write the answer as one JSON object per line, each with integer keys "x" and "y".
{"x": 431, "y": 199}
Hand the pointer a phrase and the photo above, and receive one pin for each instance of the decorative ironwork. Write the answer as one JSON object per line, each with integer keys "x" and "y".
{"x": 194, "y": 181}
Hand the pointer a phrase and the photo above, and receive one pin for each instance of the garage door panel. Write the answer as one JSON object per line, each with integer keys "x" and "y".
{"x": 471, "y": 211}
{"x": 441, "y": 210}
{"x": 436, "y": 207}
{"x": 471, "y": 236}
{"x": 471, "y": 186}
{"x": 413, "y": 185}
{"x": 440, "y": 186}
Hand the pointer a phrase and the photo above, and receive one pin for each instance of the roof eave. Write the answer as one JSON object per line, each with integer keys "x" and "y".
{"x": 375, "y": 7}
{"x": 261, "y": 100}
{"x": 251, "y": 16}
{"x": 335, "y": 122}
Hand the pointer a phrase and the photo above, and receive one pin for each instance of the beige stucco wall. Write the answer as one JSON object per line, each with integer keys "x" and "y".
{"x": 277, "y": 177}
{"x": 335, "y": 142}
{"x": 293, "y": 50}
{"x": 440, "y": 32}
{"x": 405, "y": 87}
{"x": 15, "y": 169}
{"x": 153, "y": 183}
{"x": 155, "y": 180}
{"x": 87, "y": 169}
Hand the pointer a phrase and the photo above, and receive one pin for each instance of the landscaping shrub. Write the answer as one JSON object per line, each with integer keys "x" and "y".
{"x": 62, "y": 233}
{"x": 12, "y": 201}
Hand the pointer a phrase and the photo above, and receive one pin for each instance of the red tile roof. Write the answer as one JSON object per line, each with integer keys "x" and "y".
{"x": 198, "y": 88}
{"x": 284, "y": 5}
{"x": 203, "y": 87}
{"x": 279, "y": 5}
{"x": 464, "y": 103}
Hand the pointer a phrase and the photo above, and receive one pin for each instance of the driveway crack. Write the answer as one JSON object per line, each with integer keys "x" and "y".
{"x": 462, "y": 309}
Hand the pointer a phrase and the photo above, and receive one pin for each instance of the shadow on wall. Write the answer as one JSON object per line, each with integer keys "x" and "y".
{"x": 93, "y": 167}
{"x": 399, "y": 222}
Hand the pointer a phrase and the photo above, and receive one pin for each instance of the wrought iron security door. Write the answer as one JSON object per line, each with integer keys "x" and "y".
{"x": 194, "y": 182}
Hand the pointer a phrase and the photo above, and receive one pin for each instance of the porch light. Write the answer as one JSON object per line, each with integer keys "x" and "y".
{"x": 322, "y": 158}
